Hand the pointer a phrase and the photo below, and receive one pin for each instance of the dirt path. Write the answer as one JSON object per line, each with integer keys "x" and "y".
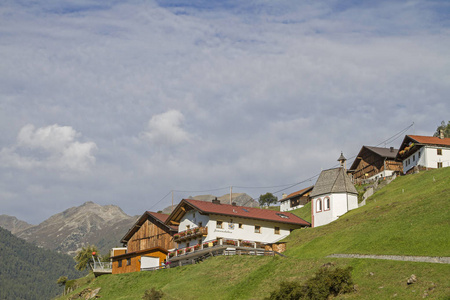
{"x": 428, "y": 259}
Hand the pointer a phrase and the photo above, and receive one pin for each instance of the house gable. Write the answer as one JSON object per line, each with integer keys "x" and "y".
{"x": 424, "y": 152}
{"x": 372, "y": 161}
{"x": 148, "y": 232}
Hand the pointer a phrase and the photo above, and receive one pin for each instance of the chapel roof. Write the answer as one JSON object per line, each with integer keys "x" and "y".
{"x": 333, "y": 181}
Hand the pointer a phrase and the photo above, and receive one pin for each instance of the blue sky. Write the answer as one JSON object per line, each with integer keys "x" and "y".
{"x": 119, "y": 102}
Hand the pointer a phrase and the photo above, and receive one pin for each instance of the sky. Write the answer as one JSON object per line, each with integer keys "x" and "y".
{"x": 121, "y": 102}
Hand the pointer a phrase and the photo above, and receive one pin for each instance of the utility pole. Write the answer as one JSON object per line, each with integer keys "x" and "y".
{"x": 231, "y": 192}
{"x": 172, "y": 200}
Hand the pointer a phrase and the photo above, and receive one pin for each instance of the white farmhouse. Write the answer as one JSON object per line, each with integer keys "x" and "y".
{"x": 202, "y": 223}
{"x": 332, "y": 196}
{"x": 296, "y": 199}
{"x": 424, "y": 152}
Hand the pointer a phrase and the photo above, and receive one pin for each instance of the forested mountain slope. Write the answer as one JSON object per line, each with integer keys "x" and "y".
{"x": 29, "y": 272}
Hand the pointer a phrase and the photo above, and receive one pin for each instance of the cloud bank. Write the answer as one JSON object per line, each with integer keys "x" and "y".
{"x": 179, "y": 95}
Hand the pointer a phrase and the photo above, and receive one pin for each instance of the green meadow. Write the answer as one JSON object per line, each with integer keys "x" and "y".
{"x": 410, "y": 216}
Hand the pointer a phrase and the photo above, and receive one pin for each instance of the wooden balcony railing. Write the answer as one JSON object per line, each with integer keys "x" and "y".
{"x": 191, "y": 233}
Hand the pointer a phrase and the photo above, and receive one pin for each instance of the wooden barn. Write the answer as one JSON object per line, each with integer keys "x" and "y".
{"x": 147, "y": 244}
{"x": 375, "y": 162}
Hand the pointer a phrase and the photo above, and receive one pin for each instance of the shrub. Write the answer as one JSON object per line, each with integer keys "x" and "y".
{"x": 326, "y": 282}
{"x": 153, "y": 294}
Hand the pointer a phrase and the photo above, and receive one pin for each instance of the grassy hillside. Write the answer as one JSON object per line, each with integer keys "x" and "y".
{"x": 410, "y": 216}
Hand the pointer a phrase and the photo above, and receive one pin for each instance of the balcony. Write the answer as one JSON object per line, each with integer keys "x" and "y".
{"x": 189, "y": 234}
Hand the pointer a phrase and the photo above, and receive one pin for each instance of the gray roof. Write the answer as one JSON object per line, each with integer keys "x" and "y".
{"x": 383, "y": 152}
{"x": 333, "y": 181}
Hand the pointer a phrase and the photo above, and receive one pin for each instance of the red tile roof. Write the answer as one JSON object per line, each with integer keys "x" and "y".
{"x": 246, "y": 212}
{"x": 301, "y": 192}
{"x": 432, "y": 140}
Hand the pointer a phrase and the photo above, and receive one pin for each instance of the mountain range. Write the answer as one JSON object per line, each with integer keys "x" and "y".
{"x": 90, "y": 224}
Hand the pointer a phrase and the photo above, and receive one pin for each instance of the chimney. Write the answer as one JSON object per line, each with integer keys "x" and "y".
{"x": 441, "y": 134}
{"x": 234, "y": 203}
{"x": 215, "y": 201}
{"x": 392, "y": 149}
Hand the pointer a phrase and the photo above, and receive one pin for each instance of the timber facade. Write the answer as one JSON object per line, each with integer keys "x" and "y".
{"x": 375, "y": 162}
{"x": 149, "y": 238}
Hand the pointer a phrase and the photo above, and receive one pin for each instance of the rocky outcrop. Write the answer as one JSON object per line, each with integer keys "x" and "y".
{"x": 76, "y": 227}
{"x": 13, "y": 224}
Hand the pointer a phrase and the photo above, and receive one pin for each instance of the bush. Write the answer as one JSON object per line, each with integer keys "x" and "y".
{"x": 325, "y": 282}
{"x": 153, "y": 294}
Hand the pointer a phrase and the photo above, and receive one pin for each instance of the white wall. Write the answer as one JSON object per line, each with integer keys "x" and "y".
{"x": 149, "y": 262}
{"x": 427, "y": 157}
{"x": 385, "y": 173}
{"x": 192, "y": 219}
{"x": 339, "y": 205}
{"x": 230, "y": 229}
{"x": 286, "y": 206}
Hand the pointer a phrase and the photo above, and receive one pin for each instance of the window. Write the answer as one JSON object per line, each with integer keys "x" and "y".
{"x": 282, "y": 216}
{"x": 418, "y": 155}
{"x": 257, "y": 229}
{"x": 439, "y": 151}
{"x": 439, "y": 165}
{"x": 219, "y": 224}
{"x": 277, "y": 230}
{"x": 187, "y": 244}
{"x": 327, "y": 203}
{"x": 119, "y": 264}
{"x": 200, "y": 224}
{"x": 193, "y": 215}
{"x": 128, "y": 261}
{"x": 319, "y": 205}
{"x": 240, "y": 226}
{"x": 188, "y": 226}
{"x": 414, "y": 157}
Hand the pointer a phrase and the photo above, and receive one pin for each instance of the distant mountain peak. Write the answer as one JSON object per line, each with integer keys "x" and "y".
{"x": 13, "y": 224}
{"x": 76, "y": 227}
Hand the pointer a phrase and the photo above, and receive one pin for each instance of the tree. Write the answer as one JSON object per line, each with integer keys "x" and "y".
{"x": 84, "y": 256}
{"x": 267, "y": 199}
{"x": 62, "y": 280}
{"x": 445, "y": 128}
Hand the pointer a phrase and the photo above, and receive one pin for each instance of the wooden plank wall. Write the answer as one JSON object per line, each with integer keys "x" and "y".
{"x": 150, "y": 235}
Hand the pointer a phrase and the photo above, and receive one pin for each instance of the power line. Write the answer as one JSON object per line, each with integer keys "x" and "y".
{"x": 287, "y": 186}
{"x": 203, "y": 191}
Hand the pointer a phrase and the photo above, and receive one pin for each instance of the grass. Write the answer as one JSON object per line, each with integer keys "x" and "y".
{"x": 408, "y": 217}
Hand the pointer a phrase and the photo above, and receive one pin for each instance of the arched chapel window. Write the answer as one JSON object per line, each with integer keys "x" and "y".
{"x": 319, "y": 205}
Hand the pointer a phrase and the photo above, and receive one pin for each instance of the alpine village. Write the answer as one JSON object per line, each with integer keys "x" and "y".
{"x": 375, "y": 229}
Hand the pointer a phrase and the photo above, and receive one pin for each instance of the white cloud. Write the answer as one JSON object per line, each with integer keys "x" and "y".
{"x": 262, "y": 93}
{"x": 52, "y": 147}
{"x": 166, "y": 129}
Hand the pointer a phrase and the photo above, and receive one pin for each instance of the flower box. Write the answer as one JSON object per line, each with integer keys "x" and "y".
{"x": 180, "y": 251}
{"x": 188, "y": 250}
{"x": 171, "y": 254}
{"x": 230, "y": 242}
{"x": 189, "y": 232}
{"x": 196, "y": 247}
{"x": 205, "y": 245}
{"x": 246, "y": 244}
